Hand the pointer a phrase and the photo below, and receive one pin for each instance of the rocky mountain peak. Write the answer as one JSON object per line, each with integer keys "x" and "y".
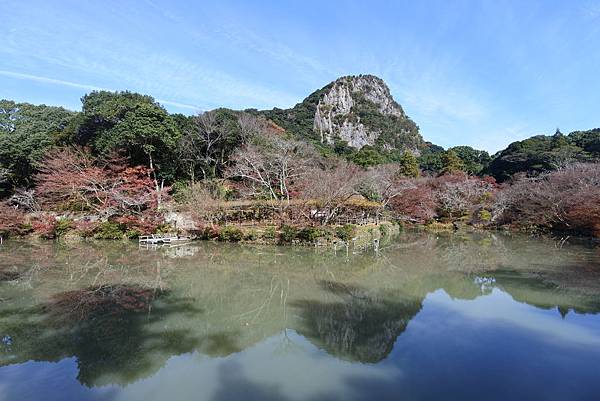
{"x": 360, "y": 110}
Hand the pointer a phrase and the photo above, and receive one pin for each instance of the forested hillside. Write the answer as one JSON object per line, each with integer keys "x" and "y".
{"x": 123, "y": 161}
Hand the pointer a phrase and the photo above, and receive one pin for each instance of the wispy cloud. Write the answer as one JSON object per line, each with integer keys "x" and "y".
{"x": 76, "y": 85}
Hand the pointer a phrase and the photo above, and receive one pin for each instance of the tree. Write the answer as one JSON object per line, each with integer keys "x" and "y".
{"x": 330, "y": 188}
{"x": 430, "y": 159}
{"x": 131, "y": 123}
{"x": 27, "y": 132}
{"x": 408, "y": 165}
{"x": 475, "y": 161}
{"x": 271, "y": 165}
{"x": 566, "y": 199}
{"x": 4, "y": 179}
{"x": 452, "y": 163}
{"x": 73, "y": 179}
{"x": 541, "y": 154}
{"x": 214, "y": 137}
{"x": 368, "y": 156}
{"x": 457, "y": 195}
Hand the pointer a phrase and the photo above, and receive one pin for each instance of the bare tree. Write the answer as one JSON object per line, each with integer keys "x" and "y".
{"x": 457, "y": 194}
{"x": 386, "y": 183}
{"x": 251, "y": 126}
{"x": 565, "y": 199}
{"x": 271, "y": 166}
{"x": 24, "y": 199}
{"x": 331, "y": 188}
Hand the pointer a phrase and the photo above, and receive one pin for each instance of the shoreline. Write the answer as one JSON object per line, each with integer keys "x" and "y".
{"x": 336, "y": 236}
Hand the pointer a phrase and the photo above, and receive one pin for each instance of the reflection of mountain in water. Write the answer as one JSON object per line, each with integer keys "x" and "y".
{"x": 359, "y": 326}
{"x": 218, "y": 299}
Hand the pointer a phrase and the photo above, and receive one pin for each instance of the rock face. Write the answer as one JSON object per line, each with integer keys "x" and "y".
{"x": 360, "y": 110}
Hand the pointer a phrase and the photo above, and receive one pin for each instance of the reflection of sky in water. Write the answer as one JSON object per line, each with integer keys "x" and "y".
{"x": 491, "y": 347}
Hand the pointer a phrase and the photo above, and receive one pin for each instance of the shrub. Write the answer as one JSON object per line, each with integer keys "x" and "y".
{"x": 148, "y": 222}
{"x": 270, "y": 233}
{"x": 11, "y": 220}
{"x": 311, "y": 234}
{"x": 416, "y": 203}
{"x": 287, "y": 233}
{"x": 251, "y": 235}
{"x": 110, "y": 230}
{"x": 45, "y": 226}
{"x": 62, "y": 226}
{"x": 485, "y": 215}
{"x": 565, "y": 200}
{"x": 132, "y": 233}
{"x": 85, "y": 228}
{"x": 383, "y": 230}
{"x": 346, "y": 232}
{"x": 231, "y": 234}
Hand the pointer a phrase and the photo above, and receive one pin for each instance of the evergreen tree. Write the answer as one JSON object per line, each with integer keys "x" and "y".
{"x": 452, "y": 163}
{"x": 409, "y": 166}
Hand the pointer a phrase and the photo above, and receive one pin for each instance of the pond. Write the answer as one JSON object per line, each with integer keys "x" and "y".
{"x": 484, "y": 316}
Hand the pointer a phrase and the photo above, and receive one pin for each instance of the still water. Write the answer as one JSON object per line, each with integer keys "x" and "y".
{"x": 428, "y": 317}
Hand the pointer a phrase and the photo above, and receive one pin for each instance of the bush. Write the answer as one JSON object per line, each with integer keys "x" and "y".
{"x": 564, "y": 200}
{"x": 346, "y": 232}
{"x": 231, "y": 234}
{"x": 148, "y": 222}
{"x": 251, "y": 235}
{"x": 85, "y": 228}
{"x": 132, "y": 233}
{"x": 416, "y": 203}
{"x": 311, "y": 234}
{"x": 110, "y": 230}
{"x": 383, "y": 229}
{"x": 270, "y": 233}
{"x": 44, "y": 226}
{"x": 485, "y": 215}
{"x": 287, "y": 233}
{"x": 63, "y": 226}
{"x": 11, "y": 220}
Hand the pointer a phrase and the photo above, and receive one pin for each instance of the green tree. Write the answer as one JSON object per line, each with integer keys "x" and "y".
{"x": 452, "y": 163}
{"x": 409, "y": 166}
{"x": 27, "y": 132}
{"x": 206, "y": 146}
{"x": 131, "y": 123}
{"x": 543, "y": 153}
{"x": 368, "y": 156}
{"x": 431, "y": 158}
{"x": 475, "y": 161}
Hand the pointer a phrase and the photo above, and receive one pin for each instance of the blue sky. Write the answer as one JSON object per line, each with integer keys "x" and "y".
{"x": 482, "y": 73}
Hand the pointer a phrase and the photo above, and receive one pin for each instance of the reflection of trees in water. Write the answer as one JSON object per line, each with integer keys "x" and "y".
{"x": 360, "y": 326}
{"x": 131, "y": 315}
{"x": 108, "y": 330}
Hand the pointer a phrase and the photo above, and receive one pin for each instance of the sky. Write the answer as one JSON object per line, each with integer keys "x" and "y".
{"x": 480, "y": 73}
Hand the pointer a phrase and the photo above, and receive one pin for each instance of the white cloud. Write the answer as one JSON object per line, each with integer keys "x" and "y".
{"x": 46, "y": 80}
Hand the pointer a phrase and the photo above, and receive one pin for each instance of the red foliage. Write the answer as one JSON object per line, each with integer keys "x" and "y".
{"x": 44, "y": 225}
{"x": 567, "y": 199}
{"x": 11, "y": 220}
{"x": 72, "y": 179}
{"x": 146, "y": 223}
{"x": 449, "y": 195}
{"x": 85, "y": 228}
{"x": 416, "y": 204}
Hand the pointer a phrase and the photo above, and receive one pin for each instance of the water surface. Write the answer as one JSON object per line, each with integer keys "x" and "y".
{"x": 429, "y": 317}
